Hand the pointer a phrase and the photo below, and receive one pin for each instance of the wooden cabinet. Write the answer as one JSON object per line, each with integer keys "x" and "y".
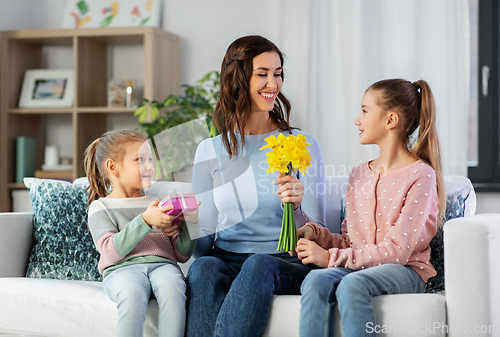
{"x": 90, "y": 57}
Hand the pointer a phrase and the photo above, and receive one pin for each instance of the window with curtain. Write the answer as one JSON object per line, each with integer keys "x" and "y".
{"x": 336, "y": 49}
{"x": 484, "y": 136}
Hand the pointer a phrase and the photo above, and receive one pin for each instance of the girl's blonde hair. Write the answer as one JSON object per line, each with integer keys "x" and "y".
{"x": 415, "y": 104}
{"x": 111, "y": 145}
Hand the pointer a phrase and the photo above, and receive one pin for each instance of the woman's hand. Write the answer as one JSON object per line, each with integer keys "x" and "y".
{"x": 192, "y": 216}
{"x": 291, "y": 189}
{"x": 309, "y": 252}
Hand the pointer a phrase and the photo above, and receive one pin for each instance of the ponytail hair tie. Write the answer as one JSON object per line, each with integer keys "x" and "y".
{"x": 417, "y": 86}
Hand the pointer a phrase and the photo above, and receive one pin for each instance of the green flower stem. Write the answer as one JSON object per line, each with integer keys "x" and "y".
{"x": 288, "y": 235}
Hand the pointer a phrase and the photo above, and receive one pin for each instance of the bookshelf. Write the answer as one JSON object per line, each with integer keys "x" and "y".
{"x": 91, "y": 51}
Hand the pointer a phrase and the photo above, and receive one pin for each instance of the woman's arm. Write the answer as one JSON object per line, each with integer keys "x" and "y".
{"x": 203, "y": 187}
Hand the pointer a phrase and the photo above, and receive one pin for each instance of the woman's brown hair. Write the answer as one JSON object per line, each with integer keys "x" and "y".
{"x": 234, "y": 104}
{"x": 415, "y": 104}
{"x": 111, "y": 145}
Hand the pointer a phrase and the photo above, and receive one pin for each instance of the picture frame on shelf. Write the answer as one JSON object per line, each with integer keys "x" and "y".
{"x": 47, "y": 88}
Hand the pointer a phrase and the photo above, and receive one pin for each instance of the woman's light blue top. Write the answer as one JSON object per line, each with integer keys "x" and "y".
{"x": 240, "y": 210}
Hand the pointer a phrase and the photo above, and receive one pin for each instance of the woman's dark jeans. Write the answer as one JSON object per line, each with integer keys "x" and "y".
{"x": 230, "y": 294}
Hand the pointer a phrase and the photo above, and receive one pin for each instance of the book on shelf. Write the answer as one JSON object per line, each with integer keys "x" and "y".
{"x": 58, "y": 175}
{"x": 25, "y": 157}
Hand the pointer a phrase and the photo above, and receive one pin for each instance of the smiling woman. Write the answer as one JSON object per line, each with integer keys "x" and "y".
{"x": 265, "y": 83}
{"x": 251, "y": 75}
{"x": 238, "y": 267}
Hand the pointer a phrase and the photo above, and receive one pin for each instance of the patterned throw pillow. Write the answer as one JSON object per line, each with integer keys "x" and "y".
{"x": 455, "y": 208}
{"x": 63, "y": 247}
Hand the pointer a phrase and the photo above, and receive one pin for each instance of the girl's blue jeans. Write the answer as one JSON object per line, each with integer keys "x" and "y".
{"x": 353, "y": 291}
{"x": 131, "y": 287}
{"x": 230, "y": 294}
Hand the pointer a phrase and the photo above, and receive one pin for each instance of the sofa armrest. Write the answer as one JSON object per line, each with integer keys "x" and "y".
{"x": 16, "y": 240}
{"x": 471, "y": 250}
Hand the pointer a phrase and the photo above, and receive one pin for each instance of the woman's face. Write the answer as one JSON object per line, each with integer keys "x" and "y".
{"x": 266, "y": 81}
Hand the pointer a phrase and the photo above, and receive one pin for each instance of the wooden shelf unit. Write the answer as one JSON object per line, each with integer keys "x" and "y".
{"x": 23, "y": 49}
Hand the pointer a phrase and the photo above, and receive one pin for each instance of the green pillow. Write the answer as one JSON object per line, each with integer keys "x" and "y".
{"x": 63, "y": 247}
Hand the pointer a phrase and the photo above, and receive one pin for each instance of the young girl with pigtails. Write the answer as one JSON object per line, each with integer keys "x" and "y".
{"x": 137, "y": 262}
{"x": 394, "y": 205}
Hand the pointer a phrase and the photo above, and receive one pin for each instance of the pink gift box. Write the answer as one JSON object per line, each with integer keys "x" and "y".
{"x": 184, "y": 202}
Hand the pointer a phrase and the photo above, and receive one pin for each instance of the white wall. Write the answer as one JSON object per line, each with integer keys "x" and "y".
{"x": 487, "y": 202}
{"x": 205, "y": 28}
{"x": 29, "y": 14}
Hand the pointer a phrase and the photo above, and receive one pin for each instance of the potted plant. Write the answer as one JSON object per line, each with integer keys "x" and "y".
{"x": 198, "y": 101}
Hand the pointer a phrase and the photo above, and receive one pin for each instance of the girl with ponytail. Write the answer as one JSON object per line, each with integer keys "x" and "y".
{"x": 394, "y": 205}
{"x": 138, "y": 243}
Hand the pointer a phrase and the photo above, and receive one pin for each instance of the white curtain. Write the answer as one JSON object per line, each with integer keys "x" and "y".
{"x": 336, "y": 48}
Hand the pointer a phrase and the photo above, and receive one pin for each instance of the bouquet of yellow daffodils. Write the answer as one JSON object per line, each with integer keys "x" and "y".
{"x": 289, "y": 154}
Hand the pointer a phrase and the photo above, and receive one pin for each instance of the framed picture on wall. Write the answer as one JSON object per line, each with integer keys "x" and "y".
{"x": 47, "y": 88}
{"x": 111, "y": 13}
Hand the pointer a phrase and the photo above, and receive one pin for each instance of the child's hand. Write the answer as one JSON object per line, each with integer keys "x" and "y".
{"x": 305, "y": 232}
{"x": 309, "y": 252}
{"x": 192, "y": 216}
{"x": 155, "y": 215}
{"x": 172, "y": 230}
{"x": 291, "y": 189}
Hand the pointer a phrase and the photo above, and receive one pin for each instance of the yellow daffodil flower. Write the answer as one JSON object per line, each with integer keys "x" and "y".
{"x": 289, "y": 154}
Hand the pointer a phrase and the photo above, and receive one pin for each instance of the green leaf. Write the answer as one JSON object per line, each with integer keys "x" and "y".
{"x": 202, "y": 91}
{"x": 106, "y": 21}
{"x": 82, "y": 7}
{"x": 205, "y": 78}
{"x": 197, "y": 101}
{"x": 143, "y": 22}
{"x": 140, "y": 110}
{"x": 154, "y": 113}
{"x": 171, "y": 100}
{"x": 142, "y": 118}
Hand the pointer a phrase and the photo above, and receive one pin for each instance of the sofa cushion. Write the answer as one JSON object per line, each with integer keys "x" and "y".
{"x": 397, "y": 315}
{"x": 16, "y": 240}
{"x": 61, "y": 308}
{"x": 63, "y": 247}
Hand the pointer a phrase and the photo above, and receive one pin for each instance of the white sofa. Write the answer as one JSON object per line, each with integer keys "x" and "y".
{"x": 47, "y": 307}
